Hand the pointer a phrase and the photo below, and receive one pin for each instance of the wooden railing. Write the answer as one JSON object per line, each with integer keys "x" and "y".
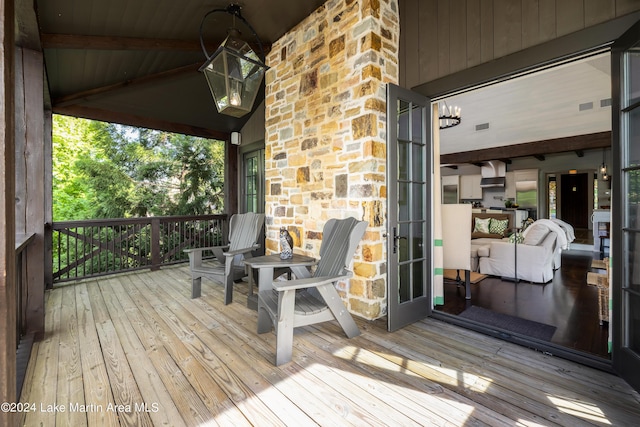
{"x": 106, "y": 246}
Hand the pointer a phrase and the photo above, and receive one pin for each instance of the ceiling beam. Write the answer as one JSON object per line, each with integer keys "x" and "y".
{"x": 557, "y": 145}
{"x": 138, "y": 121}
{"x": 75, "y": 41}
{"x": 63, "y": 101}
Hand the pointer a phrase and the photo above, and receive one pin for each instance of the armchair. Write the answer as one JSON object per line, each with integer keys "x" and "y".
{"x": 228, "y": 266}
{"x": 306, "y": 301}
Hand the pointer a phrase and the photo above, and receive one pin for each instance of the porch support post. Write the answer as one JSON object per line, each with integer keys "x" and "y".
{"x": 30, "y": 193}
{"x": 232, "y": 191}
{"x": 8, "y": 307}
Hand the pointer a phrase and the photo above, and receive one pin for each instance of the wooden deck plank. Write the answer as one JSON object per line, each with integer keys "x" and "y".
{"x": 250, "y": 326}
{"x": 498, "y": 380}
{"x": 70, "y": 383}
{"x": 158, "y": 401}
{"x": 97, "y": 396}
{"x": 525, "y": 377}
{"x": 178, "y": 384}
{"x": 211, "y": 393}
{"x": 42, "y": 392}
{"x": 140, "y": 337}
{"x": 258, "y": 386}
{"x": 129, "y": 403}
{"x": 223, "y": 327}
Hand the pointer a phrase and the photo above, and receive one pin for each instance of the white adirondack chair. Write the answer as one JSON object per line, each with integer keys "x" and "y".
{"x": 306, "y": 301}
{"x": 244, "y": 231}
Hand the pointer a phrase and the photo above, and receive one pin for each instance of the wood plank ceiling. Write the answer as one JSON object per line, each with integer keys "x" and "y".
{"x": 135, "y": 62}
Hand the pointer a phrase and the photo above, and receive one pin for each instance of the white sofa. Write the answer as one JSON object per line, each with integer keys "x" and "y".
{"x": 537, "y": 256}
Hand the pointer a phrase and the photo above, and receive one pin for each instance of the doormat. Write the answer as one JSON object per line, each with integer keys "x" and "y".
{"x": 452, "y": 274}
{"x": 518, "y": 325}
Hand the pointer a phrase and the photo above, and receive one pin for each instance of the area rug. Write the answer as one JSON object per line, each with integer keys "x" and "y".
{"x": 524, "y": 327}
{"x": 452, "y": 275}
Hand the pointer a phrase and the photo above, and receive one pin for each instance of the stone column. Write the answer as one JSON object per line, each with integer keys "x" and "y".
{"x": 325, "y": 135}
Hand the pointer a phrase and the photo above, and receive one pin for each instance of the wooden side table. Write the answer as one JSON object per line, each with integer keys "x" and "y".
{"x": 268, "y": 264}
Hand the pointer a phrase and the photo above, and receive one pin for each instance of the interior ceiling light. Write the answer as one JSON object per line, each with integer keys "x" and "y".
{"x": 603, "y": 166}
{"x": 449, "y": 116}
{"x": 234, "y": 72}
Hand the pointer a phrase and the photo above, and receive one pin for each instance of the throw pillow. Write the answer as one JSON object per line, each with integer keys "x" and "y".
{"x": 516, "y": 237}
{"x": 498, "y": 226}
{"x": 535, "y": 234}
{"x": 482, "y": 225}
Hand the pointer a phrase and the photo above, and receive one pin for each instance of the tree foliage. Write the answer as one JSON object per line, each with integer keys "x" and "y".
{"x": 105, "y": 170}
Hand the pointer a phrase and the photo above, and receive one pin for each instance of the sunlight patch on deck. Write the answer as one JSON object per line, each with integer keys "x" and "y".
{"x": 581, "y": 409}
{"x": 394, "y": 363}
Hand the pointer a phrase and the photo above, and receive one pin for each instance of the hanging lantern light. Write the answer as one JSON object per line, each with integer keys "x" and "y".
{"x": 234, "y": 72}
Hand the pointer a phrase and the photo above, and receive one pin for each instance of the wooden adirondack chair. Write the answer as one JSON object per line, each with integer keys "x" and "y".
{"x": 306, "y": 301}
{"x": 244, "y": 231}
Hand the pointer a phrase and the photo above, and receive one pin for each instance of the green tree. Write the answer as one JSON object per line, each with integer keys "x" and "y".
{"x": 104, "y": 170}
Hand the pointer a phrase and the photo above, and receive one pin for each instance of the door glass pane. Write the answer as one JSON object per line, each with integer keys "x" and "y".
{"x": 633, "y": 271}
{"x": 633, "y": 158}
{"x": 403, "y": 242}
{"x": 251, "y": 184}
{"x": 405, "y": 277}
{"x": 418, "y": 240}
{"x": 416, "y": 124}
{"x": 403, "y": 201}
{"x": 418, "y": 201}
{"x": 403, "y": 161}
{"x": 418, "y": 162}
{"x": 633, "y": 200}
{"x": 633, "y": 70}
{"x": 403, "y": 120}
{"x": 633, "y": 323}
{"x": 418, "y": 279}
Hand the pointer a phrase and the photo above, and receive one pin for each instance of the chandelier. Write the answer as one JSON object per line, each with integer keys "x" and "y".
{"x": 234, "y": 71}
{"x": 449, "y": 116}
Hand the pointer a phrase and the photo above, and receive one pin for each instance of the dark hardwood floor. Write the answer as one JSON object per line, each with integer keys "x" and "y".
{"x": 567, "y": 302}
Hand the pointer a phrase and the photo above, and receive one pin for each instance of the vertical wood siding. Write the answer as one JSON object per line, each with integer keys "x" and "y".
{"x": 441, "y": 37}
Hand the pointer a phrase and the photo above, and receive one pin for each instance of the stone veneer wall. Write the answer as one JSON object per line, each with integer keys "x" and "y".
{"x": 326, "y": 135}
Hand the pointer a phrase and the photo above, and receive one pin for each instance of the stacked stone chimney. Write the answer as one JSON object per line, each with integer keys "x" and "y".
{"x": 325, "y": 139}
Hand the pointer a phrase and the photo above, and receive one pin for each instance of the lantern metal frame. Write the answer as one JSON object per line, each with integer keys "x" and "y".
{"x": 224, "y": 69}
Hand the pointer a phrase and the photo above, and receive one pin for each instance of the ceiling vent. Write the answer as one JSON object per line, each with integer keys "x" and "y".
{"x": 586, "y": 106}
{"x": 605, "y": 103}
{"x": 482, "y": 126}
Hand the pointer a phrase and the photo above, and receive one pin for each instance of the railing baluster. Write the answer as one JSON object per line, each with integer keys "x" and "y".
{"x": 106, "y": 246}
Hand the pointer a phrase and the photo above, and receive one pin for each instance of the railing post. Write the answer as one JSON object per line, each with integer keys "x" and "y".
{"x": 155, "y": 244}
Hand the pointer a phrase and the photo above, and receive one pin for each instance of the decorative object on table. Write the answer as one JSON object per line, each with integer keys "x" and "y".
{"x": 286, "y": 244}
{"x": 508, "y": 203}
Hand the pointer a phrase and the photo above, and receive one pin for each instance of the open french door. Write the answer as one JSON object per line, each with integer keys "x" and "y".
{"x": 409, "y": 207}
{"x": 625, "y": 75}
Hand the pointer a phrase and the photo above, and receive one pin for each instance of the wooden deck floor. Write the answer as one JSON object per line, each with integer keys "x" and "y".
{"x": 135, "y": 350}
